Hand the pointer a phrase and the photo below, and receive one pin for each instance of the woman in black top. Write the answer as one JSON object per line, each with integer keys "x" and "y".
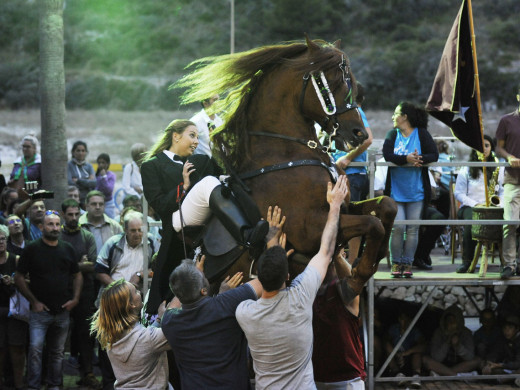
{"x": 13, "y": 332}
{"x": 172, "y": 175}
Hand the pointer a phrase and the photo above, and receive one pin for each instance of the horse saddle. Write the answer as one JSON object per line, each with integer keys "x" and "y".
{"x": 219, "y": 246}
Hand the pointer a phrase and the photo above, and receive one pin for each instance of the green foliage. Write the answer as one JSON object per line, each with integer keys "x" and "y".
{"x": 113, "y": 47}
{"x": 19, "y": 84}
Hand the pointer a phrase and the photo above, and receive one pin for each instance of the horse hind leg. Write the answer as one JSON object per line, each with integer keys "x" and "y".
{"x": 383, "y": 208}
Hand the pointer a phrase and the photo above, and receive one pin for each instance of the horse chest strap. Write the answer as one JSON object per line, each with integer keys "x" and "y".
{"x": 286, "y": 165}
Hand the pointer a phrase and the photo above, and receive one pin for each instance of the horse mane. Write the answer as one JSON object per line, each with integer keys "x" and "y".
{"x": 235, "y": 77}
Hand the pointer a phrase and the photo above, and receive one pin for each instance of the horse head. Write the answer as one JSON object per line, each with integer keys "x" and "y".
{"x": 278, "y": 89}
{"x": 332, "y": 105}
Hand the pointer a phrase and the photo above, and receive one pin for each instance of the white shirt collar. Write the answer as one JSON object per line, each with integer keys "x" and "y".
{"x": 171, "y": 155}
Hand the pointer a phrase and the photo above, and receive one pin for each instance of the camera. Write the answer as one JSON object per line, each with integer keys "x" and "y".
{"x": 31, "y": 186}
{"x": 42, "y": 194}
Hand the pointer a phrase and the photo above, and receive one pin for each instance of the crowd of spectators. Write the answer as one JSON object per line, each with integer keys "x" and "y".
{"x": 82, "y": 271}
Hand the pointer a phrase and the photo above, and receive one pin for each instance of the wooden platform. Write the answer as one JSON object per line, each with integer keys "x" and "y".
{"x": 449, "y": 385}
{"x": 443, "y": 269}
{"x": 443, "y": 274}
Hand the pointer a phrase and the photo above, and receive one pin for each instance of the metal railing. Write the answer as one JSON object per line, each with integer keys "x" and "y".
{"x": 371, "y": 165}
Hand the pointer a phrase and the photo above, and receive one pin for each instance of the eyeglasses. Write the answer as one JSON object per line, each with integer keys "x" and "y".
{"x": 3, "y": 239}
{"x": 14, "y": 220}
{"x": 52, "y": 212}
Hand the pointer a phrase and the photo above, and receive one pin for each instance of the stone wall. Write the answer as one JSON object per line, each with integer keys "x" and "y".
{"x": 444, "y": 296}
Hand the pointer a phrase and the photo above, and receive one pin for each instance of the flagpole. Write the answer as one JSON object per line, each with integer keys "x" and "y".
{"x": 477, "y": 92}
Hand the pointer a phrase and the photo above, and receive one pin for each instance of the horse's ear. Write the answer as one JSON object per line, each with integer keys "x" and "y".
{"x": 337, "y": 44}
{"x": 310, "y": 44}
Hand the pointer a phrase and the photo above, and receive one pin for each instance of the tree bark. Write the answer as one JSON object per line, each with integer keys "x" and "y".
{"x": 52, "y": 100}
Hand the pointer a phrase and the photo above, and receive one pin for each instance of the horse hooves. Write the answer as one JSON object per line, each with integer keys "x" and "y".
{"x": 347, "y": 293}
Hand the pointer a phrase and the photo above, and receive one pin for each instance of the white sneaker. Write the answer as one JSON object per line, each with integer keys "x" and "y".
{"x": 415, "y": 382}
{"x": 517, "y": 382}
{"x": 471, "y": 373}
{"x": 433, "y": 373}
{"x": 403, "y": 382}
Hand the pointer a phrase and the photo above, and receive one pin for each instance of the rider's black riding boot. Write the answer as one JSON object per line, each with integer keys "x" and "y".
{"x": 233, "y": 219}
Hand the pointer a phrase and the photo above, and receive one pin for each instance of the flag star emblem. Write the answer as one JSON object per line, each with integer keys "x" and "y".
{"x": 461, "y": 114}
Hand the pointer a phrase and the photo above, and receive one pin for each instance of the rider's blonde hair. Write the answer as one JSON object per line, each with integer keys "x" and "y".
{"x": 165, "y": 142}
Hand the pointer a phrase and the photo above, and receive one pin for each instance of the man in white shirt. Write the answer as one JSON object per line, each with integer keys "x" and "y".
{"x": 278, "y": 326}
{"x": 132, "y": 181}
{"x": 206, "y": 123}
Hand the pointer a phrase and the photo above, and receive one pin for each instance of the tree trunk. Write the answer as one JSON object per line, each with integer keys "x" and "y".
{"x": 52, "y": 101}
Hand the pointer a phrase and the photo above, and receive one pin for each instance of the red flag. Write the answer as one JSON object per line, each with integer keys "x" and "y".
{"x": 453, "y": 98}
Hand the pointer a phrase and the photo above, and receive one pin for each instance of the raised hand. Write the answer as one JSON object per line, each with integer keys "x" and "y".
{"x": 231, "y": 282}
{"x": 336, "y": 195}
{"x": 200, "y": 263}
{"x": 276, "y": 222}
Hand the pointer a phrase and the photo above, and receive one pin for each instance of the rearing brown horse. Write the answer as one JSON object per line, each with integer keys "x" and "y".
{"x": 272, "y": 97}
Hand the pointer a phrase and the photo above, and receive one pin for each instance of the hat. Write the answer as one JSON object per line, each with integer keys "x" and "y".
{"x": 512, "y": 319}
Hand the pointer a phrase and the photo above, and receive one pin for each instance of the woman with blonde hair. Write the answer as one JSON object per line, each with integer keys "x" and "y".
{"x": 137, "y": 354}
{"x": 173, "y": 176}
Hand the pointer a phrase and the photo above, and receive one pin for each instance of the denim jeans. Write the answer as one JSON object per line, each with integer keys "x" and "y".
{"x": 401, "y": 251}
{"x": 52, "y": 328}
{"x": 358, "y": 187}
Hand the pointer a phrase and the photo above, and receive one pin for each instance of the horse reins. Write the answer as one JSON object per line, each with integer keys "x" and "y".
{"x": 311, "y": 144}
{"x": 290, "y": 164}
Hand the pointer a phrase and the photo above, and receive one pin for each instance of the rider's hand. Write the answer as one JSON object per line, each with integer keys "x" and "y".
{"x": 187, "y": 170}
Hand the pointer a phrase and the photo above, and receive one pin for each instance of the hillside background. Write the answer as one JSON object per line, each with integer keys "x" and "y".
{"x": 121, "y": 56}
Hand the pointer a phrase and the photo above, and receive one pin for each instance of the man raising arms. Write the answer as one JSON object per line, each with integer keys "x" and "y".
{"x": 278, "y": 326}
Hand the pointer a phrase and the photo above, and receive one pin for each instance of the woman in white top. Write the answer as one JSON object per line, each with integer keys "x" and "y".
{"x": 470, "y": 192}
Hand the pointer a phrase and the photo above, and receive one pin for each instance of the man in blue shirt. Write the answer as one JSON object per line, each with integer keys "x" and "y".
{"x": 357, "y": 176}
{"x": 209, "y": 346}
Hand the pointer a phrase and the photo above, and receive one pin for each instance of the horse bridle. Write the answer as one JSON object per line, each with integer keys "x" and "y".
{"x": 331, "y": 110}
{"x": 326, "y": 98}
{"x": 328, "y": 104}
